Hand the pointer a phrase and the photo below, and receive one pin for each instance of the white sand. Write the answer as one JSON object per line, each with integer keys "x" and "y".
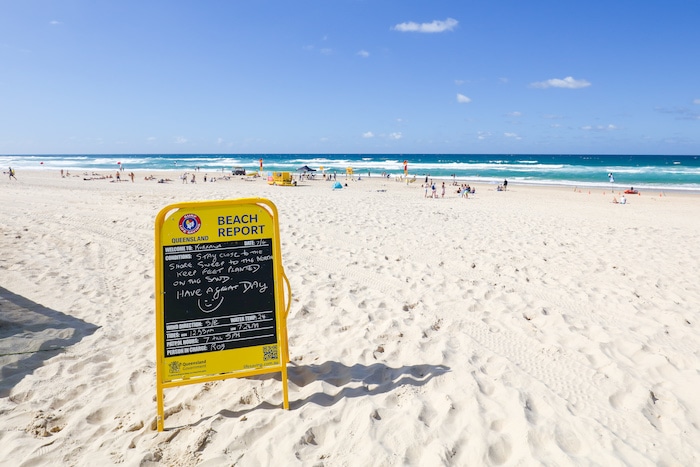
{"x": 536, "y": 326}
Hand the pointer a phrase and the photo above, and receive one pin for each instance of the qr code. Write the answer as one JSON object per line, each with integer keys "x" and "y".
{"x": 270, "y": 352}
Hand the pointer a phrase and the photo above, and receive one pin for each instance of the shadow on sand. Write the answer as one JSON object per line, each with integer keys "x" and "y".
{"x": 353, "y": 381}
{"x": 30, "y": 334}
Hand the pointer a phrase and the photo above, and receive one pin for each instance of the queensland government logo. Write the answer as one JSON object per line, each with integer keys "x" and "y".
{"x": 190, "y": 223}
{"x": 175, "y": 367}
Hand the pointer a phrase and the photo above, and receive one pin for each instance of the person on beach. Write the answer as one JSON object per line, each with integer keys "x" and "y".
{"x": 443, "y": 189}
{"x": 12, "y": 173}
{"x": 118, "y": 177}
{"x": 505, "y": 185}
{"x": 131, "y": 175}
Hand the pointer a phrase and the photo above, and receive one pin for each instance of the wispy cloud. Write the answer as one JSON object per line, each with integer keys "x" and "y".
{"x": 566, "y": 83}
{"x": 396, "y": 135}
{"x": 515, "y": 114}
{"x": 368, "y": 134}
{"x": 435, "y": 26}
{"x": 609, "y": 127}
{"x": 462, "y": 99}
{"x": 363, "y": 53}
{"x": 681, "y": 113}
{"x": 512, "y": 135}
{"x": 54, "y": 22}
{"x": 180, "y": 140}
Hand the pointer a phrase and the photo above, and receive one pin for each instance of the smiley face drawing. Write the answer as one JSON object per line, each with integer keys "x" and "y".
{"x": 208, "y": 305}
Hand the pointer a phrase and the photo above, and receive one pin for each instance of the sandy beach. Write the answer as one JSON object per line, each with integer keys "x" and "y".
{"x": 536, "y": 326}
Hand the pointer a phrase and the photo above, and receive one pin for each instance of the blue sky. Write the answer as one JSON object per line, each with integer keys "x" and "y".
{"x": 349, "y": 76}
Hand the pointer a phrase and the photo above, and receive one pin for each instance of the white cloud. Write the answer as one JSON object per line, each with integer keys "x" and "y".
{"x": 599, "y": 127}
{"x": 696, "y": 101}
{"x": 396, "y": 135}
{"x": 326, "y": 51}
{"x": 512, "y": 135}
{"x": 368, "y": 134}
{"x": 462, "y": 99}
{"x": 514, "y": 114}
{"x": 180, "y": 140}
{"x": 483, "y": 135}
{"x": 436, "y": 26}
{"x": 567, "y": 83}
{"x": 54, "y": 22}
{"x": 363, "y": 53}
{"x": 459, "y": 82}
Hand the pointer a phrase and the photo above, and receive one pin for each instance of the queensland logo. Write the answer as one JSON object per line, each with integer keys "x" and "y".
{"x": 190, "y": 223}
{"x": 175, "y": 367}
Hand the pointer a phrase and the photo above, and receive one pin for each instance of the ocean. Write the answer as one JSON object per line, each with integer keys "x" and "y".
{"x": 658, "y": 172}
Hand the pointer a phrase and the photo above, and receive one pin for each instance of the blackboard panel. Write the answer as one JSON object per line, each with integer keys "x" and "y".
{"x": 218, "y": 296}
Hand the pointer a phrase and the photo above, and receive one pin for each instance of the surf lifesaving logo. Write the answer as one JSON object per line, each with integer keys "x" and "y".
{"x": 190, "y": 224}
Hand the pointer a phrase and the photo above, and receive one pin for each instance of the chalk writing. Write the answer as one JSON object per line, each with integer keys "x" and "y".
{"x": 218, "y": 296}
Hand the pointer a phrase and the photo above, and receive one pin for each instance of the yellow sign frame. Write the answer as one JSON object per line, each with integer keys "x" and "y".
{"x": 220, "y": 230}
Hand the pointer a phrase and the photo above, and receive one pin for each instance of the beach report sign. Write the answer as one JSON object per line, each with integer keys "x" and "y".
{"x": 220, "y": 294}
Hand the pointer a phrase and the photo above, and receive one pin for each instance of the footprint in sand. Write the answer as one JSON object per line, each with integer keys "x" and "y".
{"x": 567, "y": 440}
{"x": 500, "y": 451}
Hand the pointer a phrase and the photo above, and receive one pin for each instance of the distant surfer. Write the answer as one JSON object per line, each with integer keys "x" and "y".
{"x": 610, "y": 177}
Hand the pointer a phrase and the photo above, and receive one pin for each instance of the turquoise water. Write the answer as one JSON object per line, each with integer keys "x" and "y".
{"x": 640, "y": 171}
